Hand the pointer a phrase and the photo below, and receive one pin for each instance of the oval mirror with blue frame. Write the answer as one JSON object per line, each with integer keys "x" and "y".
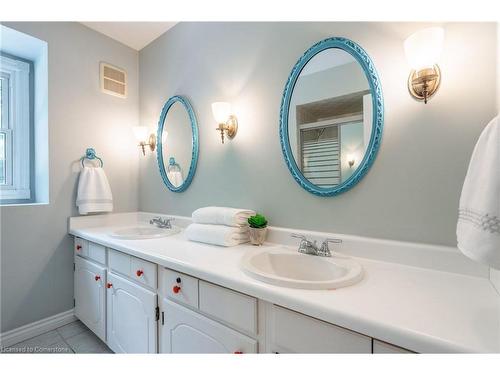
{"x": 331, "y": 117}
{"x": 178, "y": 144}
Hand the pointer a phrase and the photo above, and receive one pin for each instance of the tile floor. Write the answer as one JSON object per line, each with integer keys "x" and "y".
{"x": 72, "y": 338}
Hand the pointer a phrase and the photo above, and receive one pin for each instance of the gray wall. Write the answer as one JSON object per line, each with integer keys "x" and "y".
{"x": 412, "y": 191}
{"x": 36, "y": 252}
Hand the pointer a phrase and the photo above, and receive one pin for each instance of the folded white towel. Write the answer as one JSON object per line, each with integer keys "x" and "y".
{"x": 94, "y": 193}
{"x": 221, "y": 235}
{"x": 478, "y": 228}
{"x": 222, "y": 215}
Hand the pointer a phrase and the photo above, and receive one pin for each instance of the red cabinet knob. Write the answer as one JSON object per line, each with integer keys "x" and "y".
{"x": 109, "y": 285}
{"x": 176, "y": 289}
{"x": 139, "y": 273}
{"x": 97, "y": 277}
{"x": 78, "y": 247}
{"x": 238, "y": 352}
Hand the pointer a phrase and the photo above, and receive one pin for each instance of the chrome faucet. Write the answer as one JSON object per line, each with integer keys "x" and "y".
{"x": 311, "y": 248}
{"x": 161, "y": 222}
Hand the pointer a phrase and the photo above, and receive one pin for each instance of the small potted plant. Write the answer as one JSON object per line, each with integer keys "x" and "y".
{"x": 258, "y": 229}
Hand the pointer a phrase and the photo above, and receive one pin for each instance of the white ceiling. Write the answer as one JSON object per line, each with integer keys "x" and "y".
{"x": 136, "y": 35}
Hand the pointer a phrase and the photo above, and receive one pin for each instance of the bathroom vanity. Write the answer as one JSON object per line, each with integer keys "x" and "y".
{"x": 169, "y": 295}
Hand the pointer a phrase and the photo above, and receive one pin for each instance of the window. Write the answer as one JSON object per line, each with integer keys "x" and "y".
{"x": 15, "y": 150}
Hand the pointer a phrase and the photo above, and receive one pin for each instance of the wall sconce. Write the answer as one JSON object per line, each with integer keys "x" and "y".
{"x": 423, "y": 50}
{"x": 351, "y": 160}
{"x": 145, "y": 138}
{"x": 227, "y": 122}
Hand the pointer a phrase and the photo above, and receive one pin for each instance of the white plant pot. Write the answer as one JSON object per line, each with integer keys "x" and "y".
{"x": 258, "y": 236}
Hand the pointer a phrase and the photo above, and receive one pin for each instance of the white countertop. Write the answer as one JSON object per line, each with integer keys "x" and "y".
{"x": 419, "y": 309}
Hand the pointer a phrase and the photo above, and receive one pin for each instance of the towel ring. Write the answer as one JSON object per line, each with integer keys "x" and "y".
{"x": 90, "y": 155}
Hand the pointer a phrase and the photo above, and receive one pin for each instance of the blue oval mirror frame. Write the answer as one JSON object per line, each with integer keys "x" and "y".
{"x": 377, "y": 123}
{"x": 194, "y": 143}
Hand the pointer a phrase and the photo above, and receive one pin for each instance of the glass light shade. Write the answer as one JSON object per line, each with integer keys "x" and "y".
{"x": 141, "y": 133}
{"x": 424, "y": 47}
{"x": 221, "y": 111}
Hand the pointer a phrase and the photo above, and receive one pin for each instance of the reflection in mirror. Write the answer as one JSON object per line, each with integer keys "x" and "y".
{"x": 330, "y": 118}
{"x": 177, "y": 144}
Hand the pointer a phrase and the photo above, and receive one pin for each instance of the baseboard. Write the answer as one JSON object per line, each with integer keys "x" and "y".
{"x": 36, "y": 328}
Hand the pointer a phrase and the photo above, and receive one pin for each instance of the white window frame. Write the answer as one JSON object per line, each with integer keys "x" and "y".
{"x": 17, "y": 130}
{"x": 5, "y": 119}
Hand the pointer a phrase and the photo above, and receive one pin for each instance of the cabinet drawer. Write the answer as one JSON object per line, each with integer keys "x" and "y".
{"x": 236, "y": 309}
{"x": 97, "y": 252}
{"x": 81, "y": 247}
{"x": 139, "y": 270}
{"x": 90, "y": 250}
{"x": 296, "y": 333}
{"x": 380, "y": 347}
{"x": 179, "y": 287}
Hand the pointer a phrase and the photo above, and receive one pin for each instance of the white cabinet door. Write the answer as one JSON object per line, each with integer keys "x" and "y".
{"x": 131, "y": 324}
{"x": 90, "y": 297}
{"x": 185, "y": 331}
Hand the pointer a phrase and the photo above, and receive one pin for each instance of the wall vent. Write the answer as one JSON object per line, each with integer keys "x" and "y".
{"x": 113, "y": 80}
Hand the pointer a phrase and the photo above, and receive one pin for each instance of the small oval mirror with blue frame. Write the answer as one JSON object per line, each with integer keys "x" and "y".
{"x": 331, "y": 117}
{"x": 178, "y": 144}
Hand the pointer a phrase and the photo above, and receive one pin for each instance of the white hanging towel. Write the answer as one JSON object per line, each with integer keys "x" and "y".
{"x": 94, "y": 193}
{"x": 175, "y": 178}
{"x": 222, "y": 215}
{"x": 221, "y": 235}
{"x": 478, "y": 228}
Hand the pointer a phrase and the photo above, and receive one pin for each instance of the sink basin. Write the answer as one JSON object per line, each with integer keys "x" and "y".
{"x": 288, "y": 268}
{"x": 143, "y": 232}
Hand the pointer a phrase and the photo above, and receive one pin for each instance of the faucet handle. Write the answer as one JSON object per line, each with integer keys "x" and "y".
{"x": 301, "y": 236}
{"x": 325, "y": 250}
{"x": 303, "y": 239}
{"x": 332, "y": 240}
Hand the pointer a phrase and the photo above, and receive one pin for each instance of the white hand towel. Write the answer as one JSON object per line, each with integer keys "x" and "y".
{"x": 94, "y": 193}
{"x": 222, "y": 215}
{"x": 221, "y": 235}
{"x": 175, "y": 178}
{"x": 478, "y": 228}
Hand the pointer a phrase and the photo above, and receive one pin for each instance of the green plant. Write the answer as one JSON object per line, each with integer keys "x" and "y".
{"x": 257, "y": 221}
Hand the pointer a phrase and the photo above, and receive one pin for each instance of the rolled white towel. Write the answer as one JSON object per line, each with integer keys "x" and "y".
{"x": 221, "y": 235}
{"x": 222, "y": 215}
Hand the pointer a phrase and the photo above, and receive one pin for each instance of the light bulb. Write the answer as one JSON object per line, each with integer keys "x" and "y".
{"x": 221, "y": 111}
{"x": 424, "y": 47}
{"x": 141, "y": 133}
